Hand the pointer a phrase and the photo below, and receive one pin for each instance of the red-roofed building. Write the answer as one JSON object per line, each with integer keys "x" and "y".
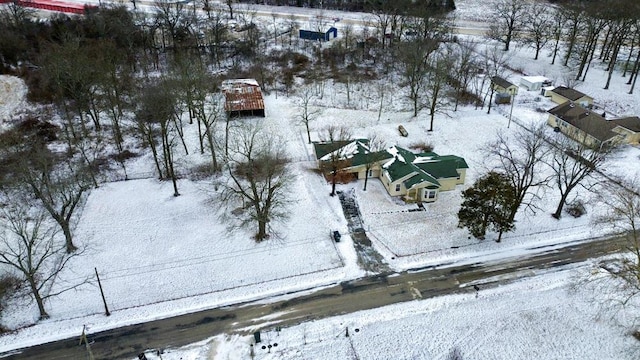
{"x": 243, "y": 97}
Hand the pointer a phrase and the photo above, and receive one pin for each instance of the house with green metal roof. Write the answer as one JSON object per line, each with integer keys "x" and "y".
{"x": 415, "y": 177}
{"x": 420, "y": 177}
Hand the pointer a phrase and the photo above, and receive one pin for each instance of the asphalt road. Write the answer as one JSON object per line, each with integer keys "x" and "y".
{"x": 305, "y": 16}
{"x": 347, "y": 297}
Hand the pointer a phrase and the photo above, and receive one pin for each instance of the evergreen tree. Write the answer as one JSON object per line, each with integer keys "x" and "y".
{"x": 487, "y": 205}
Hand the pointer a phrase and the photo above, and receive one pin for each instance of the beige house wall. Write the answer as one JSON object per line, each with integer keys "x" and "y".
{"x": 391, "y": 185}
{"x": 424, "y": 195}
{"x": 361, "y": 171}
{"x": 448, "y": 184}
{"x": 415, "y": 194}
{"x": 573, "y": 132}
{"x": 559, "y": 99}
{"x": 513, "y": 89}
{"x": 463, "y": 176}
{"x": 628, "y": 136}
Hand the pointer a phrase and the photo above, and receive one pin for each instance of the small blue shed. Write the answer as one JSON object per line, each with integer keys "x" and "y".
{"x": 317, "y": 35}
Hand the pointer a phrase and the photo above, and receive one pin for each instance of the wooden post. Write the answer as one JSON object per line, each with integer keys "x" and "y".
{"x": 104, "y": 301}
{"x": 83, "y": 338}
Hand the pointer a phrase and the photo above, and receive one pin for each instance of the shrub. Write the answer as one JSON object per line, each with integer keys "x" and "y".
{"x": 9, "y": 285}
{"x": 576, "y": 209}
{"x": 422, "y": 146}
{"x": 201, "y": 172}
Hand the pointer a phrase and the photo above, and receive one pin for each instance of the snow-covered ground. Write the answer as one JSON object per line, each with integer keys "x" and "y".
{"x": 544, "y": 317}
{"x": 158, "y": 255}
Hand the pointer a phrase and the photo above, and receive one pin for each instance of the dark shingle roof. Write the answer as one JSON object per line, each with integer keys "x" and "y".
{"x": 501, "y": 82}
{"x": 585, "y": 120}
{"x": 568, "y": 93}
{"x": 631, "y": 123}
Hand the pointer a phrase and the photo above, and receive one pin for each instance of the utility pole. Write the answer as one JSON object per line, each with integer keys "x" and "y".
{"x": 104, "y": 301}
{"x": 513, "y": 93}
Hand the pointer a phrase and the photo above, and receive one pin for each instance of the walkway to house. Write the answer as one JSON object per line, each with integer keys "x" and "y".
{"x": 368, "y": 258}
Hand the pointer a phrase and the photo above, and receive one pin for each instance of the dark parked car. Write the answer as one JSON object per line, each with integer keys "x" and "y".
{"x": 336, "y": 236}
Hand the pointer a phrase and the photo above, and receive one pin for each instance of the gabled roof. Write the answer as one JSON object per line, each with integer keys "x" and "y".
{"x": 346, "y": 149}
{"x": 242, "y": 95}
{"x": 399, "y": 162}
{"x": 571, "y": 94}
{"x": 590, "y": 122}
{"x": 501, "y": 82}
{"x": 534, "y": 79}
{"x": 631, "y": 123}
{"x": 425, "y": 167}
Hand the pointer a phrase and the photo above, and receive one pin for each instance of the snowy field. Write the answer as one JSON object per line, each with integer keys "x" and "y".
{"x": 160, "y": 256}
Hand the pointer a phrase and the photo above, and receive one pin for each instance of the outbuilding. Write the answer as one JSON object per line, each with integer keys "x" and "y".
{"x": 243, "y": 97}
{"x": 319, "y": 35}
{"x": 534, "y": 83}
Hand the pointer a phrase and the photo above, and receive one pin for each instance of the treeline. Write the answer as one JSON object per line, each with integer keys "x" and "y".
{"x": 575, "y": 32}
{"x": 408, "y": 6}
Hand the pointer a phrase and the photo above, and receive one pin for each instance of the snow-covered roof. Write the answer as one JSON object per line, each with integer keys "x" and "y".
{"x": 535, "y": 79}
{"x": 233, "y": 83}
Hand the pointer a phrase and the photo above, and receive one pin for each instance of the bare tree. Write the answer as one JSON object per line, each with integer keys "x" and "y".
{"x": 556, "y": 30}
{"x": 572, "y": 162}
{"x": 174, "y": 18}
{"x": 60, "y": 186}
{"x": 593, "y": 31}
{"x": 463, "y": 71}
{"x": 496, "y": 63}
{"x": 437, "y": 82}
{"x": 623, "y": 213}
{"x": 389, "y": 19}
{"x": 337, "y": 136}
{"x": 538, "y": 24}
{"x": 258, "y": 176}
{"x": 507, "y": 21}
{"x": 520, "y": 157}
{"x": 209, "y": 112}
{"x": 574, "y": 20}
{"x": 16, "y": 15}
{"x": 230, "y": 6}
{"x": 430, "y": 30}
{"x": 413, "y": 66}
{"x": 621, "y": 29}
{"x": 156, "y": 116}
{"x": 292, "y": 26}
{"x": 30, "y": 245}
{"x": 72, "y": 80}
{"x": 375, "y": 153}
{"x": 307, "y": 113}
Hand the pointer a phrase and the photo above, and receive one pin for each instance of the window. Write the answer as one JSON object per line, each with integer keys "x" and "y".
{"x": 370, "y": 173}
{"x": 430, "y": 194}
{"x": 397, "y": 187}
